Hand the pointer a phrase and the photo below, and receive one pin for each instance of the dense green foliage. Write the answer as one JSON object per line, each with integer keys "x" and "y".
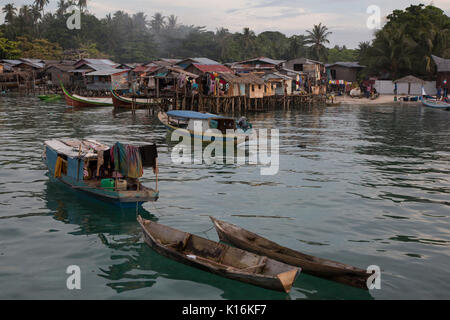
{"x": 403, "y": 46}
{"x": 139, "y": 38}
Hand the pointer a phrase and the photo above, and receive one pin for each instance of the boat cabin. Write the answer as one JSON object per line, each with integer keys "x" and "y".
{"x": 111, "y": 173}
{"x": 187, "y": 119}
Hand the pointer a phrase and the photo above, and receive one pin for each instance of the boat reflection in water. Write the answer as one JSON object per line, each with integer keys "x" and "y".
{"x": 132, "y": 265}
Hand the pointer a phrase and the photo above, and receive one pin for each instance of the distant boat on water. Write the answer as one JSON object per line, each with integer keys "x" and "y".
{"x": 184, "y": 122}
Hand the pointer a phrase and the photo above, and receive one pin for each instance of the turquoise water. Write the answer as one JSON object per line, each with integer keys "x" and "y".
{"x": 364, "y": 185}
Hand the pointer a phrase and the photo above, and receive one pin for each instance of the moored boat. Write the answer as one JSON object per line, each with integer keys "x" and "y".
{"x": 429, "y": 102}
{"x": 75, "y": 100}
{"x": 187, "y": 122}
{"x": 90, "y": 167}
{"x": 218, "y": 258}
{"x": 127, "y": 103}
{"x": 315, "y": 266}
{"x": 436, "y": 104}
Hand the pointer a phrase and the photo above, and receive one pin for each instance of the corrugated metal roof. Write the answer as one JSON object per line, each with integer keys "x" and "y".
{"x": 409, "y": 79}
{"x": 345, "y": 64}
{"x": 106, "y": 72}
{"x": 276, "y": 75}
{"x": 262, "y": 59}
{"x": 12, "y": 61}
{"x": 100, "y": 61}
{"x": 212, "y": 68}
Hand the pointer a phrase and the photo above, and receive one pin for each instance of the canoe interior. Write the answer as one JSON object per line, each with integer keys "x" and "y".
{"x": 324, "y": 268}
{"x": 220, "y": 257}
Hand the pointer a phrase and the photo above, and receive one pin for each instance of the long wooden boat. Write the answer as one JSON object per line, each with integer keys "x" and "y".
{"x": 68, "y": 160}
{"x": 127, "y": 103}
{"x": 78, "y": 101}
{"x": 315, "y": 266}
{"x": 184, "y": 122}
{"x": 218, "y": 258}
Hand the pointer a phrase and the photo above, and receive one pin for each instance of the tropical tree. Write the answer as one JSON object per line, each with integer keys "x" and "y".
{"x": 10, "y": 12}
{"x": 158, "y": 22}
{"x": 82, "y": 4}
{"x": 318, "y": 37}
{"x": 40, "y": 4}
{"x": 172, "y": 22}
{"x": 248, "y": 42}
{"x": 296, "y": 46}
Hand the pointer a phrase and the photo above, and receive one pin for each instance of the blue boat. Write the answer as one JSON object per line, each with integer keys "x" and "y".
{"x": 434, "y": 103}
{"x": 183, "y": 121}
{"x": 76, "y": 163}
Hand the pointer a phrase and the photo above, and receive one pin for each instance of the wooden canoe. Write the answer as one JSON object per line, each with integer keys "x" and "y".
{"x": 323, "y": 268}
{"x": 218, "y": 258}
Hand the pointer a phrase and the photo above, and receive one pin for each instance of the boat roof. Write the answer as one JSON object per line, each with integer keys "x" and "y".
{"x": 186, "y": 114}
{"x": 71, "y": 147}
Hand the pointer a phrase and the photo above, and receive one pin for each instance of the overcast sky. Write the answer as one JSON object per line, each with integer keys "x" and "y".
{"x": 346, "y": 19}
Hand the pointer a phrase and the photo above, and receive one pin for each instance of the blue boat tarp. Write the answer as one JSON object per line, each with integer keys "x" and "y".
{"x": 185, "y": 114}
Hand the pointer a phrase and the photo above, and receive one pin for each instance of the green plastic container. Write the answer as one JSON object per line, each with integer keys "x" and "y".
{"x": 107, "y": 184}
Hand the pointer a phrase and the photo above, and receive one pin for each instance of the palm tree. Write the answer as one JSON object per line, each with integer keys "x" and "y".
{"x": 158, "y": 22}
{"x": 139, "y": 21}
{"x": 317, "y": 37}
{"x": 249, "y": 42}
{"x": 297, "y": 46}
{"x": 10, "y": 12}
{"x": 82, "y": 4}
{"x": 393, "y": 50}
{"x": 222, "y": 36}
{"x": 40, "y": 4}
{"x": 172, "y": 22}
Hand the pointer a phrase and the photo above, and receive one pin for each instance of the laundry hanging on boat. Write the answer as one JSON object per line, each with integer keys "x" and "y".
{"x": 58, "y": 167}
{"x": 127, "y": 160}
{"x": 149, "y": 153}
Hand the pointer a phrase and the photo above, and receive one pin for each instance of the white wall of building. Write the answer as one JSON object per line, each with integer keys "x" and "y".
{"x": 387, "y": 87}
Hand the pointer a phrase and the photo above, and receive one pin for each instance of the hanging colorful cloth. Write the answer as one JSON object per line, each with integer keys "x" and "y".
{"x": 134, "y": 162}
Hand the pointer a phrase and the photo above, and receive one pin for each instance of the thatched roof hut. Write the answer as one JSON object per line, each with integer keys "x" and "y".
{"x": 410, "y": 79}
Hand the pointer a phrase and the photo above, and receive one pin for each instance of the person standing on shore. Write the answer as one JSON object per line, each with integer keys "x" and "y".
{"x": 439, "y": 92}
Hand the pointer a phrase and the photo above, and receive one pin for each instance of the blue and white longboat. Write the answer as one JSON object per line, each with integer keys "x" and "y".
{"x": 184, "y": 120}
{"x": 67, "y": 159}
{"x": 434, "y": 103}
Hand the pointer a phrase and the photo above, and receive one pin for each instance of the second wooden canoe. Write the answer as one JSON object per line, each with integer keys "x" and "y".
{"x": 315, "y": 266}
{"x": 218, "y": 258}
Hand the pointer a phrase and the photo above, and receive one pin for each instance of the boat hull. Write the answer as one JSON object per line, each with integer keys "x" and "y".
{"x": 436, "y": 104}
{"x": 122, "y": 103}
{"x": 283, "y": 282}
{"x": 205, "y": 138}
{"x": 82, "y": 102}
{"x": 318, "y": 267}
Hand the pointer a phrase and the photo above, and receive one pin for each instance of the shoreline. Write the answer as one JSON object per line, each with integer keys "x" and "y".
{"x": 381, "y": 100}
